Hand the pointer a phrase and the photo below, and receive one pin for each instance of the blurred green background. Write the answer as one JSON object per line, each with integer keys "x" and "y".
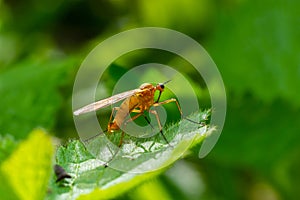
{"x": 255, "y": 45}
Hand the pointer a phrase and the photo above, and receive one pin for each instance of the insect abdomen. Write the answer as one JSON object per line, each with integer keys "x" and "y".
{"x": 126, "y": 107}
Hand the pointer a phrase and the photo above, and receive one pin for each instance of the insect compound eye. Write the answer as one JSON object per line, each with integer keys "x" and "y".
{"x": 161, "y": 86}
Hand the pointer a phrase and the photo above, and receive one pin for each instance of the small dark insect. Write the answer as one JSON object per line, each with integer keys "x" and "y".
{"x": 60, "y": 173}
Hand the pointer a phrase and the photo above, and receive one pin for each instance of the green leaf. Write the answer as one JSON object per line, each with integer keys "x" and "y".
{"x": 7, "y": 146}
{"x": 91, "y": 180}
{"x": 28, "y": 169}
{"x": 6, "y": 189}
{"x": 165, "y": 14}
{"x": 145, "y": 191}
{"x": 30, "y": 97}
{"x": 266, "y": 141}
{"x": 253, "y": 46}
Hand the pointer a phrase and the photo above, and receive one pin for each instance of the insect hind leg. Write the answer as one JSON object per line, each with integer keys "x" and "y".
{"x": 106, "y": 130}
{"x": 94, "y": 136}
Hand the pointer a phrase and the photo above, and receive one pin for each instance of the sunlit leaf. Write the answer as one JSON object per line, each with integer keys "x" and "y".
{"x": 90, "y": 179}
{"x": 28, "y": 169}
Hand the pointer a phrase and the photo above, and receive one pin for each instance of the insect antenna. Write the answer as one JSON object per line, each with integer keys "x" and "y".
{"x": 162, "y": 85}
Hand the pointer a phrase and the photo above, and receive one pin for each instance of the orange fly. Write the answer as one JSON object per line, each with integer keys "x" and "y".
{"x": 136, "y": 101}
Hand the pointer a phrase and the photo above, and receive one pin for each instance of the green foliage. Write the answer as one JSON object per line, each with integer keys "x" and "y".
{"x": 91, "y": 180}
{"x": 7, "y": 146}
{"x": 30, "y": 96}
{"x": 270, "y": 151}
{"x": 26, "y": 172}
{"x": 146, "y": 191}
{"x": 254, "y": 44}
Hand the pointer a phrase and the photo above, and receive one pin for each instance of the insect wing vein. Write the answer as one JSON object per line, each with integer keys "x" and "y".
{"x": 106, "y": 102}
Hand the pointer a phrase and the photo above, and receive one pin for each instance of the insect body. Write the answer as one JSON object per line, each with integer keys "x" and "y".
{"x": 60, "y": 173}
{"x": 136, "y": 101}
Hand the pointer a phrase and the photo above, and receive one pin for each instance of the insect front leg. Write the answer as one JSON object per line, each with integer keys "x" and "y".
{"x": 169, "y": 101}
{"x": 179, "y": 109}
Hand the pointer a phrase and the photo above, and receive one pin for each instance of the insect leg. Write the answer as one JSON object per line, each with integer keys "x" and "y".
{"x": 115, "y": 153}
{"x": 114, "y": 109}
{"x": 112, "y": 112}
{"x": 148, "y": 121}
{"x": 136, "y": 116}
{"x": 120, "y": 142}
{"x": 90, "y": 138}
{"x": 129, "y": 120}
{"x": 139, "y": 114}
{"x": 122, "y": 135}
{"x": 169, "y": 101}
{"x": 179, "y": 108}
{"x": 121, "y": 139}
{"x": 159, "y": 124}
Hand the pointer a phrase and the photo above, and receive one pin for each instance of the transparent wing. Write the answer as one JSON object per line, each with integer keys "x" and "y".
{"x": 106, "y": 102}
